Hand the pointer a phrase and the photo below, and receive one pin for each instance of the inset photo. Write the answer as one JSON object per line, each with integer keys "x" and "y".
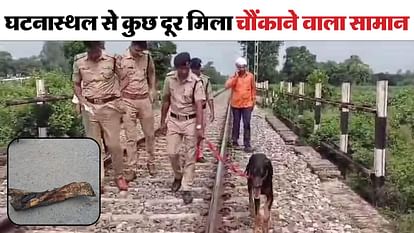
{"x": 53, "y": 181}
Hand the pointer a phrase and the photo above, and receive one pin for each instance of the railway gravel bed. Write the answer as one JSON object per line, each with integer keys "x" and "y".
{"x": 149, "y": 205}
{"x": 300, "y": 204}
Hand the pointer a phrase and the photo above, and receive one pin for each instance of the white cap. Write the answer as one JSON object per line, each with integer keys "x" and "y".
{"x": 241, "y": 61}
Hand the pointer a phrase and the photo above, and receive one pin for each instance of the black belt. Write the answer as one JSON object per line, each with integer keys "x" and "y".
{"x": 102, "y": 101}
{"x": 134, "y": 96}
{"x": 179, "y": 117}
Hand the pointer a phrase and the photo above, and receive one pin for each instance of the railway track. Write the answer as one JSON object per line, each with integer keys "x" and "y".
{"x": 149, "y": 206}
{"x": 302, "y": 201}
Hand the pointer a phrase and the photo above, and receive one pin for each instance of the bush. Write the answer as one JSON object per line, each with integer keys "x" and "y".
{"x": 22, "y": 120}
{"x": 398, "y": 198}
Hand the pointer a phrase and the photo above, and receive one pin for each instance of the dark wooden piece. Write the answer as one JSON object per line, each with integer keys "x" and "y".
{"x": 22, "y": 200}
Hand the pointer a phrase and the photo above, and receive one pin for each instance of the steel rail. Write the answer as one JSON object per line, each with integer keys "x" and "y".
{"x": 212, "y": 218}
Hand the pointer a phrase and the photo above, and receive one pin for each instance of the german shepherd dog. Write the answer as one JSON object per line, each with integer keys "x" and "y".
{"x": 260, "y": 173}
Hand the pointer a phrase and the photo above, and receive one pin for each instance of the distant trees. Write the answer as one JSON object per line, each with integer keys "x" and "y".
{"x": 22, "y": 66}
{"x": 300, "y": 63}
{"x": 6, "y": 60}
{"x": 162, "y": 52}
{"x": 70, "y": 49}
{"x": 215, "y": 76}
{"x": 53, "y": 57}
{"x": 59, "y": 56}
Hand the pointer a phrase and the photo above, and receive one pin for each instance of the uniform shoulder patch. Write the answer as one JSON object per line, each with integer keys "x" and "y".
{"x": 205, "y": 76}
{"x": 80, "y": 55}
{"x": 171, "y": 73}
{"x": 108, "y": 55}
{"x": 196, "y": 78}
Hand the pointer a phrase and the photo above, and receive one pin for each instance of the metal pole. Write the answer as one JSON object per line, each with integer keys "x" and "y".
{"x": 256, "y": 60}
{"x": 301, "y": 100}
{"x": 289, "y": 87}
{"x": 247, "y": 53}
{"x": 346, "y": 99}
{"x": 282, "y": 85}
{"x": 378, "y": 177}
{"x": 381, "y": 128}
{"x": 318, "y": 107}
{"x": 41, "y": 92}
{"x": 244, "y": 50}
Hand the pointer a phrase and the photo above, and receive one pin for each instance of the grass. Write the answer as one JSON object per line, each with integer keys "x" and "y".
{"x": 397, "y": 201}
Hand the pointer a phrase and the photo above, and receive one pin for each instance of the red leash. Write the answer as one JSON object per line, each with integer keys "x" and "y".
{"x": 228, "y": 163}
{"x": 198, "y": 151}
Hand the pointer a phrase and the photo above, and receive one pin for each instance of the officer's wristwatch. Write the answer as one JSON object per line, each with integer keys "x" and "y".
{"x": 198, "y": 127}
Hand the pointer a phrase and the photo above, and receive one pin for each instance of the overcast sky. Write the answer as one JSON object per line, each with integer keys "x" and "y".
{"x": 383, "y": 56}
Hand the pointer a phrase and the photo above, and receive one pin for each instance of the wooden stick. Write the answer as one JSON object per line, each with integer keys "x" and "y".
{"x": 22, "y": 200}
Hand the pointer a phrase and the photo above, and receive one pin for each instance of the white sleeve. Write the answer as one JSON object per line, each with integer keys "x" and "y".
{"x": 75, "y": 99}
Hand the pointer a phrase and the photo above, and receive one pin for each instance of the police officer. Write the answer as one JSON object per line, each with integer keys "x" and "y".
{"x": 208, "y": 90}
{"x": 183, "y": 95}
{"x": 98, "y": 92}
{"x": 80, "y": 109}
{"x": 137, "y": 81}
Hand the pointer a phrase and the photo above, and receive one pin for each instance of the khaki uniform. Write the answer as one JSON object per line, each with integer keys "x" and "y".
{"x": 75, "y": 100}
{"x": 98, "y": 87}
{"x": 84, "y": 115}
{"x": 208, "y": 90}
{"x": 209, "y": 96}
{"x": 182, "y": 131}
{"x": 136, "y": 102}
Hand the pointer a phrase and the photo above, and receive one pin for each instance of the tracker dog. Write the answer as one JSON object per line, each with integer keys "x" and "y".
{"x": 260, "y": 173}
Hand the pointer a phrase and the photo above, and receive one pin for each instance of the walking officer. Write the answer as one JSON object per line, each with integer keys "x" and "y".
{"x": 99, "y": 92}
{"x": 137, "y": 83}
{"x": 80, "y": 109}
{"x": 183, "y": 95}
{"x": 208, "y": 90}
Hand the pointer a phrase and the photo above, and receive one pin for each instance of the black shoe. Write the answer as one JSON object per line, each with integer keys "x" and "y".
{"x": 201, "y": 160}
{"x": 176, "y": 185}
{"x": 235, "y": 144}
{"x": 248, "y": 149}
{"x": 187, "y": 197}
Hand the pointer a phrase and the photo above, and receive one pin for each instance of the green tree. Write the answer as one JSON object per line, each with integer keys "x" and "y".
{"x": 53, "y": 56}
{"x": 337, "y": 72}
{"x": 162, "y": 52}
{"x": 359, "y": 72}
{"x": 268, "y": 59}
{"x": 299, "y": 63}
{"x": 318, "y": 76}
{"x": 215, "y": 76}
{"x": 71, "y": 48}
{"x": 352, "y": 69}
{"x": 27, "y": 65}
{"x": 6, "y": 60}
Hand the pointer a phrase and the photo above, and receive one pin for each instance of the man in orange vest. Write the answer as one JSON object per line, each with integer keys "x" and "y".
{"x": 243, "y": 100}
